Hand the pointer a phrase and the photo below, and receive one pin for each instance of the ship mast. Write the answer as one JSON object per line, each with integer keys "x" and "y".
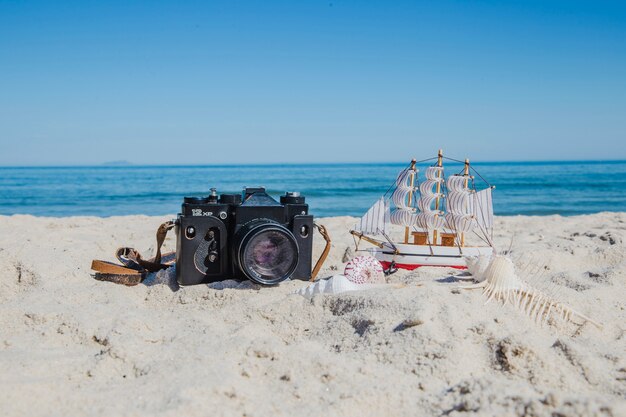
{"x": 439, "y": 164}
{"x": 412, "y": 181}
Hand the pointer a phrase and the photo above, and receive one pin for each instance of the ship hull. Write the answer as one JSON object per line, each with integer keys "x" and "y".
{"x": 414, "y": 256}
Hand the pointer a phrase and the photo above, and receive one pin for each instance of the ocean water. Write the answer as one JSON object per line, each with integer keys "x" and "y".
{"x": 529, "y": 188}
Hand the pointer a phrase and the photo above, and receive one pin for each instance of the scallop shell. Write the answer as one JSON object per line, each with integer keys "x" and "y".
{"x": 364, "y": 269}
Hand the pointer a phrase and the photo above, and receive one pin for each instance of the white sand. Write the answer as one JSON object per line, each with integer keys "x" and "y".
{"x": 71, "y": 345}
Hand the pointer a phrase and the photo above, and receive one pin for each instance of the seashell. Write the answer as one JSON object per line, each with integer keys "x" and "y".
{"x": 364, "y": 269}
{"x": 336, "y": 284}
{"x": 477, "y": 265}
{"x": 501, "y": 279}
{"x": 502, "y": 284}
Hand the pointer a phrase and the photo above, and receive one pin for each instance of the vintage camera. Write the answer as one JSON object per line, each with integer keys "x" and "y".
{"x": 244, "y": 236}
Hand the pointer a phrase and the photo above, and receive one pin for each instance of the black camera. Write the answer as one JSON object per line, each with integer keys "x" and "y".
{"x": 244, "y": 236}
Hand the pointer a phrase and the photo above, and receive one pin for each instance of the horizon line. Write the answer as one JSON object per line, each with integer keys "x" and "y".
{"x": 126, "y": 164}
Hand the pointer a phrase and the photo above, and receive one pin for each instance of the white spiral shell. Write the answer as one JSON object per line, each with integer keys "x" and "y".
{"x": 336, "y": 284}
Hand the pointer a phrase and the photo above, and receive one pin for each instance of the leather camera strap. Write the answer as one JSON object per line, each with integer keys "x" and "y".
{"x": 134, "y": 268}
{"x": 324, "y": 254}
{"x": 108, "y": 271}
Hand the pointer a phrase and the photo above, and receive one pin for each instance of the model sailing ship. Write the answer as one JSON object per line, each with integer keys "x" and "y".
{"x": 437, "y": 213}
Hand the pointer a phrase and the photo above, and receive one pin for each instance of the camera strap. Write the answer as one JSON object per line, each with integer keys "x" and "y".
{"x": 320, "y": 228}
{"x": 134, "y": 268}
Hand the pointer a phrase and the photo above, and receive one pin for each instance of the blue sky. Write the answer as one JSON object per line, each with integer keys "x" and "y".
{"x": 310, "y": 81}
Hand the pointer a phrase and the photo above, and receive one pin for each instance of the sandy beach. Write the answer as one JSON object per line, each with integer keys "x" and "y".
{"x": 71, "y": 345}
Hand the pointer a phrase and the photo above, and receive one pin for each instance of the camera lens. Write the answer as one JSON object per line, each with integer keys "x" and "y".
{"x": 266, "y": 252}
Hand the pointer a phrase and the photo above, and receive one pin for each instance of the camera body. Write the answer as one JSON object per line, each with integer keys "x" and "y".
{"x": 244, "y": 236}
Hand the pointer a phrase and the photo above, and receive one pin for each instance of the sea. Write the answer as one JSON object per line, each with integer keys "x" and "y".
{"x": 521, "y": 188}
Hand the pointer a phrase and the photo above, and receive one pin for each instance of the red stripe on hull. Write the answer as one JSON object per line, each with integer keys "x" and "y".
{"x": 411, "y": 267}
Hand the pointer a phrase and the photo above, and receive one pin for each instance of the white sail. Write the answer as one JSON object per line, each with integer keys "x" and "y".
{"x": 400, "y": 197}
{"x": 404, "y": 214}
{"x": 456, "y": 183}
{"x": 434, "y": 173}
{"x": 427, "y": 187}
{"x": 483, "y": 208}
{"x": 461, "y": 222}
{"x": 430, "y": 217}
{"x": 404, "y": 178}
{"x": 426, "y": 203}
{"x": 460, "y": 205}
{"x": 375, "y": 220}
{"x": 429, "y": 220}
{"x": 460, "y": 202}
{"x": 403, "y": 218}
{"x": 467, "y": 209}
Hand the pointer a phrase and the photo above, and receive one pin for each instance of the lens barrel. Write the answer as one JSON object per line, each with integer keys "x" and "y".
{"x": 265, "y": 251}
